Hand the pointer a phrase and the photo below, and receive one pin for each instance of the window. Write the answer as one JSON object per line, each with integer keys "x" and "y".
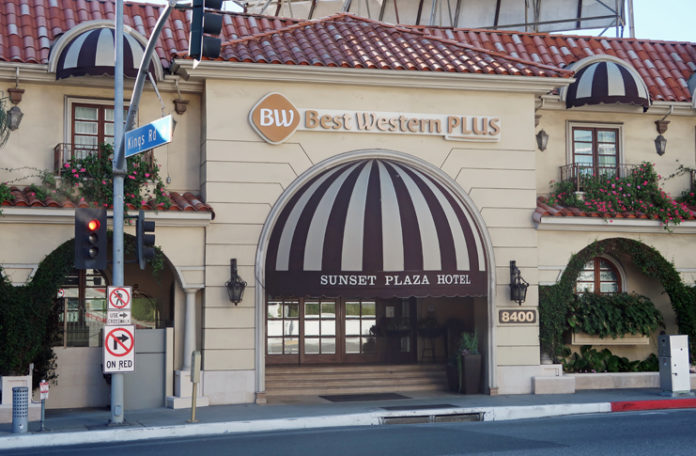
{"x": 283, "y": 326}
{"x": 595, "y": 150}
{"x": 600, "y": 276}
{"x": 89, "y": 124}
{"x": 81, "y": 309}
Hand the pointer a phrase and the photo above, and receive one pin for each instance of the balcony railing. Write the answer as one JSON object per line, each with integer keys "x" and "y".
{"x": 693, "y": 180}
{"x": 64, "y": 152}
{"x": 581, "y": 174}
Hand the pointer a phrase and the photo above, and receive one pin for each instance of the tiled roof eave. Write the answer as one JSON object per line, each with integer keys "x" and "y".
{"x": 339, "y": 75}
{"x": 611, "y": 224}
{"x": 66, "y": 215}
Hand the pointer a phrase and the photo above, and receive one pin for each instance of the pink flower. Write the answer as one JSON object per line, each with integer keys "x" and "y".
{"x": 82, "y": 170}
{"x": 147, "y": 174}
{"x": 67, "y": 165}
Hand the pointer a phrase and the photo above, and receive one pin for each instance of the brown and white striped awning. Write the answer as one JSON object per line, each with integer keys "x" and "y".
{"x": 607, "y": 81}
{"x": 375, "y": 228}
{"x": 88, "y": 49}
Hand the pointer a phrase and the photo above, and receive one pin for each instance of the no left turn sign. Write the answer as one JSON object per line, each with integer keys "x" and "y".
{"x": 119, "y": 348}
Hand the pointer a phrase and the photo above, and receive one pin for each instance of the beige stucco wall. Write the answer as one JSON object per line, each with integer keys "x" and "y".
{"x": 638, "y": 133}
{"x": 45, "y": 124}
{"x": 244, "y": 177}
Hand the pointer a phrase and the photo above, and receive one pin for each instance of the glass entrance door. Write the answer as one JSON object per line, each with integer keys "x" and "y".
{"x": 314, "y": 330}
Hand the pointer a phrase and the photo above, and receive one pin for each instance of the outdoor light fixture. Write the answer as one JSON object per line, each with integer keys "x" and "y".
{"x": 542, "y": 139}
{"x": 14, "y": 117}
{"x": 661, "y": 141}
{"x": 518, "y": 286}
{"x": 660, "y": 144}
{"x": 235, "y": 286}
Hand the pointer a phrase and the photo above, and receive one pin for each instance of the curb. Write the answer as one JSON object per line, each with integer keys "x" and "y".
{"x": 657, "y": 404}
{"x": 374, "y": 418}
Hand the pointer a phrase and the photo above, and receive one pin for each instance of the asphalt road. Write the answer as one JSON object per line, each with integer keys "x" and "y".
{"x": 617, "y": 434}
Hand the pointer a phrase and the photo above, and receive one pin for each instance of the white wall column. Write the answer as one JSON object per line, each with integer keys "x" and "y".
{"x": 189, "y": 327}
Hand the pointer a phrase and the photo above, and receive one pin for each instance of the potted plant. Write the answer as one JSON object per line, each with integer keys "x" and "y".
{"x": 469, "y": 363}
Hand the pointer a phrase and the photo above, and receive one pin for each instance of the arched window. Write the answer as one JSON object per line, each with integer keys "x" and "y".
{"x": 599, "y": 275}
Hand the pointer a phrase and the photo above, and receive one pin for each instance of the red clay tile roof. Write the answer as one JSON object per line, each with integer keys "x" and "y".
{"x": 28, "y": 28}
{"x": 26, "y": 197}
{"x": 349, "y": 41}
{"x": 544, "y": 209}
{"x": 665, "y": 66}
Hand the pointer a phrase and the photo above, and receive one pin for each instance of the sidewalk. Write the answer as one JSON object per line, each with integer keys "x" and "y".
{"x": 65, "y": 427}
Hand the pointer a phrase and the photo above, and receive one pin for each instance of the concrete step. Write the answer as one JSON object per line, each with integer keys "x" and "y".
{"x": 354, "y": 379}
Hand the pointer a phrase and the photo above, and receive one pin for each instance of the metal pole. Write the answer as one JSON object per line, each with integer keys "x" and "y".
{"x": 119, "y": 171}
{"x": 119, "y": 164}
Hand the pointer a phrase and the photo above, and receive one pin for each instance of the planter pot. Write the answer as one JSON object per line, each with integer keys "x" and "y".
{"x": 452, "y": 378}
{"x": 580, "y": 196}
{"x": 471, "y": 372}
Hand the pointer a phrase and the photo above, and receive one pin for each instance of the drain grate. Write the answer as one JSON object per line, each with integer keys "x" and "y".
{"x": 444, "y": 418}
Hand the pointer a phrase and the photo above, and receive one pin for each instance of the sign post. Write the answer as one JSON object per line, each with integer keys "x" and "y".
{"x": 43, "y": 391}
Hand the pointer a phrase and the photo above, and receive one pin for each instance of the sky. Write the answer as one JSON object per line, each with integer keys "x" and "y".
{"x": 671, "y": 20}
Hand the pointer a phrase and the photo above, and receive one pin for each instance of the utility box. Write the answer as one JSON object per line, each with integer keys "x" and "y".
{"x": 673, "y": 354}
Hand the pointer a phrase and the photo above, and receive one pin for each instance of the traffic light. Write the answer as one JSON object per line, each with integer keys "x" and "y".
{"x": 144, "y": 242}
{"x": 90, "y": 238}
{"x": 203, "y": 24}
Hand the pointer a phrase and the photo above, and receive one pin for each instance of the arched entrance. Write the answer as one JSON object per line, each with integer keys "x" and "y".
{"x": 79, "y": 315}
{"x": 371, "y": 257}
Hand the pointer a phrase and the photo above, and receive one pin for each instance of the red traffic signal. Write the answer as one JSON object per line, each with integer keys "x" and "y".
{"x": 90, "y": 238}
{"x": 93, "y": 225}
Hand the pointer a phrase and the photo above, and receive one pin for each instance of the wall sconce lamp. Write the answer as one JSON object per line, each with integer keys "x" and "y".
{"x": 518, "y": 286}
{"x": 14, "y": 115}
{"x": 235, "y": 286}
{"x": 542, "y": 139}
{"x": 661, "y": 141}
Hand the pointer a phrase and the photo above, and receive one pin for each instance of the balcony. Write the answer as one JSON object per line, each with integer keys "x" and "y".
{"x": 64, "y": 152}
{"x": 580, "y": 174}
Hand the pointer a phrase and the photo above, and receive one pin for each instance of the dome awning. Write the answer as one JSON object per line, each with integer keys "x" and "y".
{"x": 375, "y": 228}
{"x": 607, "y": 81}
{"x": 89, "y": 50}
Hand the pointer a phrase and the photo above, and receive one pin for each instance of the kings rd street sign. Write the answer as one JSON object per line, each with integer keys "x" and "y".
{"x": 148, "y": 136}
{"x": 119, "y": 349}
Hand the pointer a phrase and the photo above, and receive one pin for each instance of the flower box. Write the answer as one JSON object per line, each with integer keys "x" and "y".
{"x": 581, "y": 338}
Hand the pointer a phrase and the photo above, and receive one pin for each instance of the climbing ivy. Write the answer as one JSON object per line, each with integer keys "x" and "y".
{"x": 556, "y": 301}
{"x": 613, "y": 315}
{"x": 28, "y": 316}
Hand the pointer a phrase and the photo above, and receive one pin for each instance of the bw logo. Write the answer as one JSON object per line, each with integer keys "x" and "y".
{"x": 274, "y": 118}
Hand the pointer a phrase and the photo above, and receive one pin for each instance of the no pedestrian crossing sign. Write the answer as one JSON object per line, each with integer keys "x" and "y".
{"x": 119, "y": 349}
{"x": 119, "y": 305}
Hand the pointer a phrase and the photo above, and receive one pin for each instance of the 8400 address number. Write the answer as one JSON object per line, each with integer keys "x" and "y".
{"x": 516, "y": 316}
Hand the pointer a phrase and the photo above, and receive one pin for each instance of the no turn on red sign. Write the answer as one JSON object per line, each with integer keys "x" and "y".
{"x": 119, "y": 349}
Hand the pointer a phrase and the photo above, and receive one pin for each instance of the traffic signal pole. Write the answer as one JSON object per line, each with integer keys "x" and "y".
{"x": 119, "y": 164}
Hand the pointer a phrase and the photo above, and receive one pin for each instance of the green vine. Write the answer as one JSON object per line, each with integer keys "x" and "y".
{"x": 613, "y": 315}
{"x": 590, "y": 360}
{"x": 90, "y": 179}
{"x": 609, "y": 195}
{"x": 556, "y": 301}
{"x": 4, "y": 123}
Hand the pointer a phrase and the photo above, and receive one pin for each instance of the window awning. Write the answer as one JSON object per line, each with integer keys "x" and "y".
{"x": 375, "y": 228}
{"x": 607, "y": 81}
{"x": 89, "y": 50}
